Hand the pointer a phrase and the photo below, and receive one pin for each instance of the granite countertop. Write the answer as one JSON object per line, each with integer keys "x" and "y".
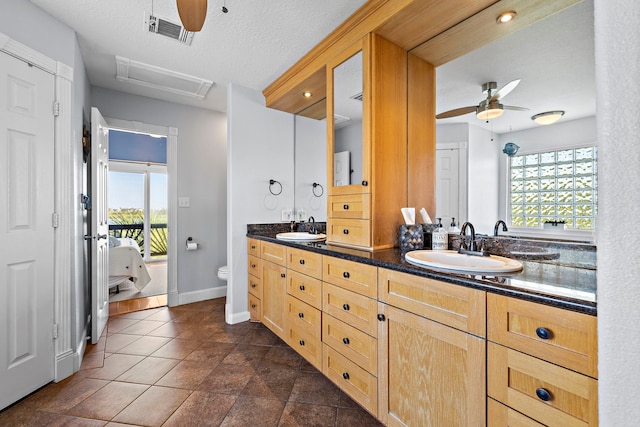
{"x": 558, "y": 285}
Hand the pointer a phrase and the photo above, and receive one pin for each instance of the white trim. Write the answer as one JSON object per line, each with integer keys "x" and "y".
{"x": 463, "y": 172}
{"x": 33, "y": 57}
{"x": 202, "y": 295}
{"x": 233, "y": 318}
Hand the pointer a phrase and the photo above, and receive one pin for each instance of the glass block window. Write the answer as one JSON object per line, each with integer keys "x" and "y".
{"x": 554, "y": 186}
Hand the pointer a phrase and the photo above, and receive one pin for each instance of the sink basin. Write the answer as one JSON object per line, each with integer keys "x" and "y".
{"x": 453, "y": 261}
{"x": 301, "y": 236}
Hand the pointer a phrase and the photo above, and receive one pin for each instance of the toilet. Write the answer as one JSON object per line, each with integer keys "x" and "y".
{"x": 223, "y": 273}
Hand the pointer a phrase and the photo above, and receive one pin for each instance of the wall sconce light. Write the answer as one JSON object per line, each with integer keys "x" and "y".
{"x": 510, "y": 149}
{"x": 547, "y": 117}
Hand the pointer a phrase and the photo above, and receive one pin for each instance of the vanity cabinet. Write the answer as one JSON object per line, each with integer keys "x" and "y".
{"x": 431, "y": 369}
{"x": 274, "y": 287}
{"x": 542, "y": 361}
{"x": 255, "y": 280}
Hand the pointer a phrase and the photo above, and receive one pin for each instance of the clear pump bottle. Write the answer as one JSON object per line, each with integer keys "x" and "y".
{"x": 440, "y": 238}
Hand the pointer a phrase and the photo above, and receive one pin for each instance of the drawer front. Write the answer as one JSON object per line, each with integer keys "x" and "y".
{"x": 523, "y": 382}
{"x": 360, "y": 385}
{"x": 302, "y": 316}
{"x": 306, "y": 345}
{"x": 305, "y": 288}
{"x": 356, "y": 206}
{"x": 499, "y": 415}
{"x": 359, "y": 278}
{"x": 253, "y": 247}
{"x": 305, "y": 262}
{"x": 255, "y": 286}
{"x": 255, "y": 308}
{"x": 558, "y": 336}
{"x": 273, "y": 252}
{"x": 352, "y": 232}
{"x": 456, "y": 306}
{"x": 255, "y": 266}
{"x": 355, "y": 309}
{"x": 352, "y": 343}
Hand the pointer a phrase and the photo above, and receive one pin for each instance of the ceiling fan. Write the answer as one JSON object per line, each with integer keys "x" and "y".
{"x": 490, "y": 107}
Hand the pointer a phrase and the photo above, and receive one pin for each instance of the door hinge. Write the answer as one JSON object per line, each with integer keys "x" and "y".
{"x": 56, "y": 108}
{"x": 55, "y": 220}
{"x": 55, "y": 331}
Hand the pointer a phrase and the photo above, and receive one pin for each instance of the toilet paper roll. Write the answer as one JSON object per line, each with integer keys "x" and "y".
{"x": 192, "y": 246}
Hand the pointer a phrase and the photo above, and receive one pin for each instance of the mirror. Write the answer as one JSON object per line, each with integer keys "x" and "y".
{"x": 347, "y": 121}
{"x": 310, "y": 167}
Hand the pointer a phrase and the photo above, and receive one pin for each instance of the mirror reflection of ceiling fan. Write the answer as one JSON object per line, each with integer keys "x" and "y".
{"x": 490, "y": 107}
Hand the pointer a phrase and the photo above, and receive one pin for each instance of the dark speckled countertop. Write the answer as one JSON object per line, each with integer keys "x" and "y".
{"x": 552, "y": 284}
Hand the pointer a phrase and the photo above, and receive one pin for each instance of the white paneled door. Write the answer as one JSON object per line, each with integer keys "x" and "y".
{"x": 447, "y": 186}
{"x": 26, "y": 228}
{"x": 99, "y": 225}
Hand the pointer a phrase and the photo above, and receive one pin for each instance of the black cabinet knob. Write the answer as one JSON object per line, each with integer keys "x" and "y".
{"x": 365, "y": 183}
{"x": 301, "y": 342}
{"x": 346, "y": 274}
{"x": 345, "y": 231}
{"x": 253, "y": 306}
{"x": 253, "y": 266}
{"x": 345, "y": 207}
{"x": 302, "y": 261}
{"x": 302, "y": 287}
{"x": 253, "y": 285}
{"x": 381, "y": 317}
{"x": 301, "y": 315}
{"x": 345, "y": 375}
{"x": 253, "y": 247}
{"x": 543, "y": 333}
{"x": 283, "y": 275}
{"x": 345, "y": 307}
{"x": 345, "y": 340}
{"x": 543, "y": 394}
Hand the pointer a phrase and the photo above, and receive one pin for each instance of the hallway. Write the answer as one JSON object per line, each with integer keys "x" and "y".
{"x": 184, "y": 366}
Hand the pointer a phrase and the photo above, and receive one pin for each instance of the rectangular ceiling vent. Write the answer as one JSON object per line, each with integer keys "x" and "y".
{"x": 357, "y": 97}
{"x": 164, "y": 27}
{"x": 154, "y": 77}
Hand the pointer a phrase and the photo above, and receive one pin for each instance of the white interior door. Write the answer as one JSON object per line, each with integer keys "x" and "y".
{"x": 447, "y": 185}
{"x": 342, "y": 168}
{"x": 26, "y": 228}
{"x": 99, "y": 225}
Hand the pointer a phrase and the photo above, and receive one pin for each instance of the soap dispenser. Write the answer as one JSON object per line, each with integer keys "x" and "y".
{"x": 440, "y": 238}
{"x": 453, "y": 227}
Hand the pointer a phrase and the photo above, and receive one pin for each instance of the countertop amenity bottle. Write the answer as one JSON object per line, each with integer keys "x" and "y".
{"x": 440, "y": 238}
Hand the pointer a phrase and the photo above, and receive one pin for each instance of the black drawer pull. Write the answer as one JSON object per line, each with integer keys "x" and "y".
{"x": 345, "y": 340}
{"x": 302, "y": 261}
{"x": 345, "y": 375}
{"x": 253, "y": 285}
{"x": 346, "y": 274}
{"x": 345, "y": 231}
{"x": 301, "y": 315}
{"x": 253, "y": 266}
{"x": 253, "y": 306}
{"x": 301, "y": 342}
{"x": 302, "y": 287}
{"x": 283, "y": 275}
{"x": 543, "y": 394}
{"x": 365, "y": 183}
{"x": 345, "y": 207}
{"x": 543, "y": 333}
{"x": 253, "y": 246}
{"x": 345, "y": 307}
{"x": 381, "y": 317}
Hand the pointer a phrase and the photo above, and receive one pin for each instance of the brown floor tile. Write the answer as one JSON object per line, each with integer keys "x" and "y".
{"x": 262, "y": 336}
{"x": 227, "y": 379}
{"x": 254, "y": 411}
{"x": 148, "y": 371}
{"x": 144, "y": 346}
{"x": 114, "y": 366}
{"x": 246, "y": 355}
{"x": 202, "y": 409}
{"x": 92, "y": 360}
{"x": 282, "y": 357}
{"x": 272, "y": 383}
{"x": 107, "y": 402}
{"x": 356, "y": 417}
{"x": 141, "y": 313}
{"x": 303, "y": 414}
{"x": 163, "y": 315}
{"x": 117, "y": 324}
{"x": 60, "y": 398}
{"x": 346, "y": 401}
{"x": 316, "y": 389}
{"x": 36, "y": 418}
{"x": 177, "y": 348}
{"x": 117, "y": 341}
{"x": 212, "y": 352}
{"x": 187, "y": 374}
{"x": 170, "y": 330}
{"x": 143, "y": 327}
{"x": 153, "y": 407}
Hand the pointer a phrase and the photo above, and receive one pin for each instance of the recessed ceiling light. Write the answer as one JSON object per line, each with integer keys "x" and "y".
{"x": 547, "y": 117}
{"x": 307, "y": 94}
{"x": 505, "y": 17}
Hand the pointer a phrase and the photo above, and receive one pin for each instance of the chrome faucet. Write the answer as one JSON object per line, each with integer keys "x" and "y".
{"x": 312, "y": 225}
{"x": 293, "y": 226}
{"x": 495, "y": 229}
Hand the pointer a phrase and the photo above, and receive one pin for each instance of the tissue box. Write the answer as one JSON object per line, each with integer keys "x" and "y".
{"x": 411, "y": 237}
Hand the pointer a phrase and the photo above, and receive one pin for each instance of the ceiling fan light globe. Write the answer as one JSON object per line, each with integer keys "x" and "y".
{"x": 547, "y": 117}
{"x": 489, "y": 111}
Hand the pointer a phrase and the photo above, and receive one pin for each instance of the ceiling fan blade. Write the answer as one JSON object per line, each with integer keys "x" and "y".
{"x": 456, "y": 112}
{"x": 512, "y": 107}
{"x": 504, "y": 90}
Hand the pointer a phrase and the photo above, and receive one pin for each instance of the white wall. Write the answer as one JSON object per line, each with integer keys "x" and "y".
{"x": 618, "y": 130}
{"x": 311, "y": 166}
{"x": 202, "y": 174}
{"x": 349, "y": 138}
{"x": 482, "y": 176}
{"x": 260, "y": 142}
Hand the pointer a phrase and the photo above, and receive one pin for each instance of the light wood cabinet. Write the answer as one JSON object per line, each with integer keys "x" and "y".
{"x": 304, "y": 330}
{"x": 255, "y": 280}
{"x": 499, "y": 415}
{"x": 274, "y": 288}
{"x": 352, "y": 276}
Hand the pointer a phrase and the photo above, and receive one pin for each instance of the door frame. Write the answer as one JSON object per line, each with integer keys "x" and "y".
{"x": 68, "y": 233}
{"x": 462, "y": 176}
{"x": 172, "y": 193}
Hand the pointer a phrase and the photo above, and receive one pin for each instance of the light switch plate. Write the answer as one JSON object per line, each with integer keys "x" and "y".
{"x": 183, "y": 202}
{"x": 287, "y": 215}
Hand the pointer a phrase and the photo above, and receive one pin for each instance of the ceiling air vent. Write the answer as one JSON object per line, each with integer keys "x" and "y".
{"x": 164, "y": 27}
{"x": 357, "y": 97}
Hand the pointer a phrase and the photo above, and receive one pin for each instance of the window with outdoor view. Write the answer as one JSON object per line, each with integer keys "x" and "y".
{"x": 554, "y": 186}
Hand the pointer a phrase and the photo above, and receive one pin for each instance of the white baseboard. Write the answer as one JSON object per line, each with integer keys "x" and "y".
{"x": 202, "y": 295}
{"x": 233, "y": 318}
{"x": 64, "y": 365}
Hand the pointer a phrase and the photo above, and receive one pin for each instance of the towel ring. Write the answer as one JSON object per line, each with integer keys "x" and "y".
{"x": 313, "y": 190}
{"x": 272, "y": 182}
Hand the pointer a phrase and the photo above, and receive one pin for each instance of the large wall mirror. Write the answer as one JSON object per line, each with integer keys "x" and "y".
{"x": 310, "y": 168}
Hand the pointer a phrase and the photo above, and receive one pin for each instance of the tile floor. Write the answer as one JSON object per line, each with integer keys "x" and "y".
{"x": 184, "y": 366}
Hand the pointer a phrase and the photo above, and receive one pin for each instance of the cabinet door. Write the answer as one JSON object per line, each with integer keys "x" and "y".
{"x": 274, "y": 289}
{"x": 429, "y": 374}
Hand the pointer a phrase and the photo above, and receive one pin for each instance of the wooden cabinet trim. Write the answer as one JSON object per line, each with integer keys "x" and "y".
{"x": 305, "y": 288}
{"x": 353, "y": 276}
{"x": 305, "y": 262}
{"x": 273, "y": 252}
{"x": 354, "y": 344}
{"x": 354, "y": 309}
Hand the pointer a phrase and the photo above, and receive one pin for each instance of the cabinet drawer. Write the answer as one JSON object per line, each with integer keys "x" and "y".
{"x": 353, "y": 232}
{"x": 356, "y": 277}
{"x": 558, "y": 336}
{"x": 305, "y": 288}
{"x": 306, "y": 345}
{"x": 499, "y": 415}
{"x": 255, "y": 286}
{"x": 356, "y": 206}
{"x": 302, "y": 316}
{"x": 255, "y": 266}
{"x": 360, "y": 385}
{"x": 352, "y": 343}
{"x": 305, "y": 262}
{"x": 523, "y": 382}
{"x": 356, "y": 310}
{"x": 255, "y": 308}
{"x": 253, "y": 247}
{"x": 274, "y": 253}
{"x": 456, "y": 306}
